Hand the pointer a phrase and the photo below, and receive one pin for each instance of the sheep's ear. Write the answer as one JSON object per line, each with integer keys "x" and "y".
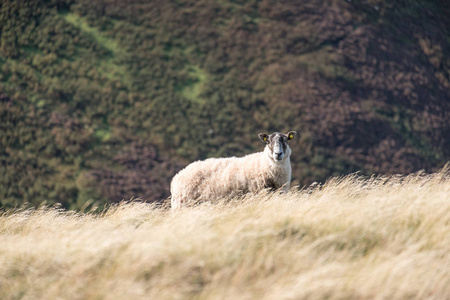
{"x": 291, "y": 135}
{"x": 264, "y": 137}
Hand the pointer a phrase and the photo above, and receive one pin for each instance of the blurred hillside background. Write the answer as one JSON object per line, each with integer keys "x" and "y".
{"x": 104, "y": 100}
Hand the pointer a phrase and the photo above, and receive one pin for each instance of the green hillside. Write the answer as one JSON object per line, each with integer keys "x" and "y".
{"x": 106, "y": 100}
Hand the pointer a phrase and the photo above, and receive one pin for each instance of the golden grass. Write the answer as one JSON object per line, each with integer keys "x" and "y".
{"x": 351, "y": 238}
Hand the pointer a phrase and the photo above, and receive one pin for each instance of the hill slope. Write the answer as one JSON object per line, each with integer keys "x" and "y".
{"x": 350, "y": 238}
{"x": 103, "y": 101}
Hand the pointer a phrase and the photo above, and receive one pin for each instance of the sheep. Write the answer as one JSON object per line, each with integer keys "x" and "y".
{"x": 215, "y": 178}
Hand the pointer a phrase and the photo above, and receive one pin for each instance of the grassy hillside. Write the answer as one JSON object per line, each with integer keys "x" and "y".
{"x": 350, "y": 238}
{"x": 105, "y": 100}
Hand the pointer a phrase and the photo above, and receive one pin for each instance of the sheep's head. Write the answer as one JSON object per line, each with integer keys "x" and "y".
{"x": 277, "y": 144}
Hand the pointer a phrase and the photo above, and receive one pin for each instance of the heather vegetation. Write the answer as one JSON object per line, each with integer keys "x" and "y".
{"x": 105, "y": 100}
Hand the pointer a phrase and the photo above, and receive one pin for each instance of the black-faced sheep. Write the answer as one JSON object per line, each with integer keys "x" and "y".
{"x": 216, "y": 178}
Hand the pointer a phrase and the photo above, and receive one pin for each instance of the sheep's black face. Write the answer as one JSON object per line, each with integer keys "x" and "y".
{"x": 277, "y": 143}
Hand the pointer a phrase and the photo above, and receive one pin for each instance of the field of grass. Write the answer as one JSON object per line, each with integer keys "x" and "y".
{"x": 350, "y": 238}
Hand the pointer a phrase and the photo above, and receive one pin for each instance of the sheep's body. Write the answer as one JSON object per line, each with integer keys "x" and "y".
{"x": 216, "y": 178}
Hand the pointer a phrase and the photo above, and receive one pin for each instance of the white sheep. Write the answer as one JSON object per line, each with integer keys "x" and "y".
{"x": 216, "y": 178}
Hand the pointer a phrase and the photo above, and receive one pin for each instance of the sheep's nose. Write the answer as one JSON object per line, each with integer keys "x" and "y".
{"x": 278, "y": 154}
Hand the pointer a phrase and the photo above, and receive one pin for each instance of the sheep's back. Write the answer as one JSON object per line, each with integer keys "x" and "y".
{"x": 199, "y": 179}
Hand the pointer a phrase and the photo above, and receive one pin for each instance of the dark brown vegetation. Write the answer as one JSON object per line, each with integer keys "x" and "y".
{"x": 106, "y": 100}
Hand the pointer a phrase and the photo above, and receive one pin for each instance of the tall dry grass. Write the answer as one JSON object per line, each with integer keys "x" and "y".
{"x": 351, "y": 238}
